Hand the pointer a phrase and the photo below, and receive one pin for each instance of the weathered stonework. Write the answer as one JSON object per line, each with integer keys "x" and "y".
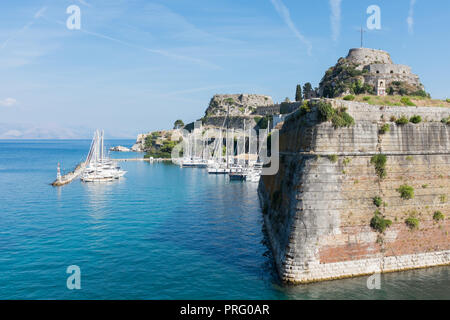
{"x": 317, "y": 212}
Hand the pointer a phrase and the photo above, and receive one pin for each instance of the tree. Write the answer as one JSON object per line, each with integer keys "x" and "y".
{"x": 298, "y": 93}
{"x": 287, "y": 100}
{"x": 178, "y": 124}
{"x": 307, "y": 89}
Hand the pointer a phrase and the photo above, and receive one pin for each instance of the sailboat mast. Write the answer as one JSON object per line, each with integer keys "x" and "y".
{"x": 226, "y": 139}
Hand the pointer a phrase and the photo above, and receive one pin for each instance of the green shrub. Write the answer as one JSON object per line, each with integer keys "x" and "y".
{"x": 305, "y": 108}
{"x": 342, "y": 119}
{"x": 366, "y": 98}
{"x": 346, "y": 161}
{"x": 416, "y": 119}
{"x": 421, "y": 93}
{"x": 385, "y": 128}
{"x": 402, "y": 120}
{"x": 333, "y": 158}
{"x": 377, "y": 201}
{"x": 438, "y": 216}
{"x": 326, "y": 111}
{"x": 339, "y": 118}
{"x": 349, "y": 97}
{"x": 412, "y": 223}
{"x": 443, "y": 198}
{"x": 379, "y": 223}
{"x": 406, "y": 192}
{"x": 446, "y": 120}
{"x": 379, "y": 161}
{"x": 447, "y": 100}
{"x": 393, "y": 119}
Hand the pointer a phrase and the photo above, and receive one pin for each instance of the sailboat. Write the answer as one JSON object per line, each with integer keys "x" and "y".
{"x": 99, "y": 167}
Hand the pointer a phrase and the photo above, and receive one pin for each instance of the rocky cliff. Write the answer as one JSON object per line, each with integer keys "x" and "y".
{"x": 370, "y": 197}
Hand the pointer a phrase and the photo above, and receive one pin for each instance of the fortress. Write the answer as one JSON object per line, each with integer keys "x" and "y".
{"x": 373, "y": 68}
{"x": 319, "y": 208}
{"x": 336, "y": 207}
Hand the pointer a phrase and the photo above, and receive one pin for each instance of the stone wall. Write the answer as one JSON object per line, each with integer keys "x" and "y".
{"x": 317, "y": 211}
{"x": 366, "y": 56}
{"x": 389, "y": 68}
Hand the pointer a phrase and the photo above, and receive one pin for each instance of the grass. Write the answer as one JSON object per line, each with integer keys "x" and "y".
{"x": 406, "y": 192}
{"x": 349, "y": 97}
{"x": 438, "y": 216}
{"x": 412, "y": 223}
{"x": 402, "y": 120}
{"x": 377, "y": 201}
{"x": 396, "y": 100}
{"x": 406, "y": 101}
{"x": 333, "y": 158}
{"x": 385, "y": 128}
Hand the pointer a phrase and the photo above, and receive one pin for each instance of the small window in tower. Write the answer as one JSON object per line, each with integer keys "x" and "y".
{"x": 378, "y": 71}
{"x": 392, "y": 71}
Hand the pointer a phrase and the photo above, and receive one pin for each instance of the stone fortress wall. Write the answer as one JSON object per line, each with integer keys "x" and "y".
{"x": 317, "y": 212}
{"x": 379, "y": 65}
{"x": 366, "y": 56}
{"x": 389, "y": 68}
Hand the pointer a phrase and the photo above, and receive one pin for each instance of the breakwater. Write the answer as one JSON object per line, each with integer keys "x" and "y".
{"x": 69, "y": 177}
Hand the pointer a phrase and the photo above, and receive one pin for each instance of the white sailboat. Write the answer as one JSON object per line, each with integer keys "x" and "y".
{"x": 99, "y": 168}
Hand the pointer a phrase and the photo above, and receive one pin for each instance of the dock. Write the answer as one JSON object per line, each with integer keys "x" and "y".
{"x": 69, "y": 177}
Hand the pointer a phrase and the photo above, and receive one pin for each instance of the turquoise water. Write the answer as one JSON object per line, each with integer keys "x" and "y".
{"x": 161, "y": 233}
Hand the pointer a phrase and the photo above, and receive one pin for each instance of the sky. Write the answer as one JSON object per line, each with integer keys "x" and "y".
{"x": 136, "y": 66}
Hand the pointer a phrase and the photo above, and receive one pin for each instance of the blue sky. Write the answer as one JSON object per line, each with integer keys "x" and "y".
{"x": 137, "y": 66}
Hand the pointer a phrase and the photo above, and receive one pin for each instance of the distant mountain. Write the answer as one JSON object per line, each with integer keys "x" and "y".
{"x": 31, "y": 131}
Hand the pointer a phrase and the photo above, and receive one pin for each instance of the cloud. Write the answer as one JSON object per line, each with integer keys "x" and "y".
{"x": 8, "y": 102}
{"x": 410, "y": 19}
{"x": 165, "y": 53}
{"x": 84, "y": 3}
{"x": 36, "y": 16}
{"x": 335, "y": 19}
{"x": 284, "y": 13}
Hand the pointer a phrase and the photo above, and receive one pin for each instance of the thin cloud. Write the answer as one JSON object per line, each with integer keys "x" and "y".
{"x": 335, "y": 19}
{"x": 410, "y": 19}
{"x": 154, "y": 51}
{"x": 8, "y": 102}
{"x": 284, "y": 13}
{"x": 84, "y": 3}
{"x": 36, "y": 16}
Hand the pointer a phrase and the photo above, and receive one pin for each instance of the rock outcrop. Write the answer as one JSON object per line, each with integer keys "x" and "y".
{"x": 120, "y": 149}
{"x": 319, "y": 209}
{"x": 238, "y": 104}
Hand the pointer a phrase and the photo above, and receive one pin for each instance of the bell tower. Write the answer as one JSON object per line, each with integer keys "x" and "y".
{"x": 381, "y": 87}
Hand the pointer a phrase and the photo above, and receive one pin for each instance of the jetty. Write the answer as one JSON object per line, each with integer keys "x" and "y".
{"x": 69, "y": 177}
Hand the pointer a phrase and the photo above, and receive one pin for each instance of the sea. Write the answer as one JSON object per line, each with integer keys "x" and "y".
{"x": 161, "y": 232}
